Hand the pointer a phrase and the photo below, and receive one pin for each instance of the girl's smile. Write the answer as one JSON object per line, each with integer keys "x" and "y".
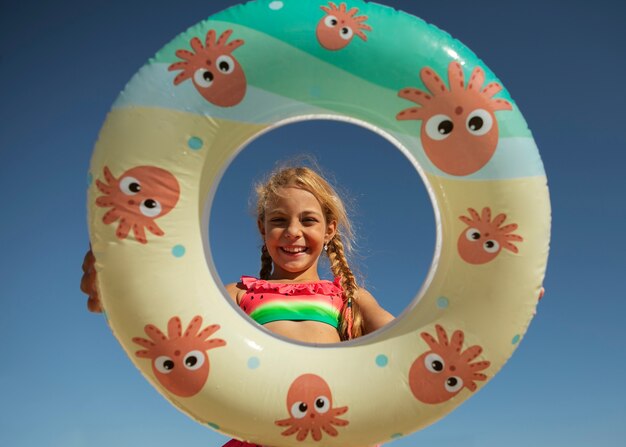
{"x": 294, "y": 250}
{"x": 295, "y": 230}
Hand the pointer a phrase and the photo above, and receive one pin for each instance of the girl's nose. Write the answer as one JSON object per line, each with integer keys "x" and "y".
{"x": 294, "y": 230}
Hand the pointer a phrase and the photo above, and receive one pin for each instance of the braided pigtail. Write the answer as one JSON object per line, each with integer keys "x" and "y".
{"x": 266, "y": 264}
{"x": 351, "y": 325}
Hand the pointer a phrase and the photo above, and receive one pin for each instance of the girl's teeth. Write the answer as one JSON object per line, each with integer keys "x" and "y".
{"x": 294, "y": 250}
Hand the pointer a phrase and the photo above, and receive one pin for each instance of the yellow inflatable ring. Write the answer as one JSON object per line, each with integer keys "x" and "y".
{"x": 191, "y": 108}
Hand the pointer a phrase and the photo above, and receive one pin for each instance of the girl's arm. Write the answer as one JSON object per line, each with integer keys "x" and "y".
{"x": 374, "y": 316}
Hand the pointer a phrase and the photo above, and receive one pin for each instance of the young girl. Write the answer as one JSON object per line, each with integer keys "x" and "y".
{"x": 300, "y": 218}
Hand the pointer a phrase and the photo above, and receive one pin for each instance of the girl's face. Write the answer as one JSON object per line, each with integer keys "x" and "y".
{"x": 295, "y": 231}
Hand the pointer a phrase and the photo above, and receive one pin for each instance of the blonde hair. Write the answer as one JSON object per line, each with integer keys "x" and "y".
{"x": 351, "y": 324}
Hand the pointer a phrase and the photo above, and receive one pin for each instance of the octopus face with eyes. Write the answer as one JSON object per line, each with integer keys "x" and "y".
{"x": 179, "y": 359}
{"x": 310, "y": 404}
{"x": 459, "y": 130}
{"x": 136, "y": 199}
{"x": 214, "y": 71}
{"x": 339, "y": 26}
{"x": 484, "y": 238}
{"x": 445, "y": 369}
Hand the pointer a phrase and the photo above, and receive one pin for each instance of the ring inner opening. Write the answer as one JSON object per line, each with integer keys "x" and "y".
{"x": 388, "y": 203}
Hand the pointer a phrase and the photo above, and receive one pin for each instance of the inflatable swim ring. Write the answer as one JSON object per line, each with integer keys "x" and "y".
{"x": 244, "y": 71}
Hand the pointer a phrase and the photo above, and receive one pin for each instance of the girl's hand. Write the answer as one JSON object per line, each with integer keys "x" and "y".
{"x": 88, "y": 282}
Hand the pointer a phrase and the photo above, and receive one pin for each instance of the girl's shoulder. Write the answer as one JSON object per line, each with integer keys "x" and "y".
{"x": 374, "y": 315}
{"x": 235, "y": 291}
{"x": 363, "y": 295}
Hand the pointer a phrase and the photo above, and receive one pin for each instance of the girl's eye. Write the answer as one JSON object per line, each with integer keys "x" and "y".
{"x": 346, "y": 33}
{"x": 193, "y": 360}
{"x": 434, "y": 363}
{"x": 150, "y": 208}
{"x": 203, "y": 78}
{"x": 453, "y": 384}
{"x": 299, "y": 409}
{"x": 439, "y": 127}
{"x": 130, "y": 186}
{"x": 331, "y": 21}
{"x": 164, "y": 364}
{"x": 479, "y": 122}
{"x": 491, "y": 246}
{"x": 225, "y": 64}
{"x": 322, "y": 404}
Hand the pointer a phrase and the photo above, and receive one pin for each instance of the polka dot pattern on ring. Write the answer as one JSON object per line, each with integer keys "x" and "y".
{"x": 178, "y": 251}
{"x": 275, "y": 6}
{"x": 443, "y": 302}
{"x": 195, "y": 143}
{"x": 254, "y": 362}
{"x": 382, "y": 360}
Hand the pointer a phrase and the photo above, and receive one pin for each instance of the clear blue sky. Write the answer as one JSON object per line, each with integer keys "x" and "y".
{"x": 66, "y": 382}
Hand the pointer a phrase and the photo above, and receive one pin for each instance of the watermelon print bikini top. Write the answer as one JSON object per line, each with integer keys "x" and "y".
{"x": 266, "y": 301}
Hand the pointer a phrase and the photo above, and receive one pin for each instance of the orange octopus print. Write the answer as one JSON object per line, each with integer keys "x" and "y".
{"x": 339, "y": 26}
{"x": 459, "y": 130}
{"x": 484, "y": 239}
{"x": 179, "y": 360}
{"x": 213, "y": 69}
{"x": 137, "y": 198}
{"x": 442, "y": 372}
{"x": 310, "y": 405}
